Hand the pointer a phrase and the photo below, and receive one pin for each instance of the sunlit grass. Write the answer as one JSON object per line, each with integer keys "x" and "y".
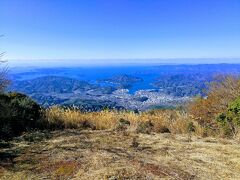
{"x": 175, "y": 121}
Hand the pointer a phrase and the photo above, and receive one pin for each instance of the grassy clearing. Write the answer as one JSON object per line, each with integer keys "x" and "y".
{"x": 105, "y": 154}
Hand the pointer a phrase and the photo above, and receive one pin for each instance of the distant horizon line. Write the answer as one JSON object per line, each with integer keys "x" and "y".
{"x": 171, "y": 58}
{"x": 117, "y": 62}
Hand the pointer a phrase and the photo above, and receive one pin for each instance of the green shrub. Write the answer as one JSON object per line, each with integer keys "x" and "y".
{"x": 230, "y": 120}
{"x": 18, "y": 113}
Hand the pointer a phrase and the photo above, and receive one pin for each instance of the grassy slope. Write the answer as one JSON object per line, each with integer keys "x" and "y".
{"x": 108, "y": 154}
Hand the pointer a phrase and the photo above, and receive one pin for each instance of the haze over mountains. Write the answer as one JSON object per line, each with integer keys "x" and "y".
{"x": 116, "y": 62}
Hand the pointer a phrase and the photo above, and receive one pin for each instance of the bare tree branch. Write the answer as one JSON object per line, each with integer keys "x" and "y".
{"x": 4, "y": 82}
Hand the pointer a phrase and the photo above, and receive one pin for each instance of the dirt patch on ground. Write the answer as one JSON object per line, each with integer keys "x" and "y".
{"x": 73, "y": 154}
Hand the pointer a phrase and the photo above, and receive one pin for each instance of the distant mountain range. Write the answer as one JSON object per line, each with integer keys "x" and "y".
{"x": 120, "y": 79}
{"x": 50, "y": 84}
{"x": 191, "y": 84}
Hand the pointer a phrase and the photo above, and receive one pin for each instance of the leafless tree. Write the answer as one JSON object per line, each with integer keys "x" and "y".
{"x": 3, "y": 73}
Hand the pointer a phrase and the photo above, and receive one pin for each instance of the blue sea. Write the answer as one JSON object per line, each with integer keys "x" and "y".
{"x": 148, "y": 74}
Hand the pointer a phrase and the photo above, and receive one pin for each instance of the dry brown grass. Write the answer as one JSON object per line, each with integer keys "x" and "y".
{"x": 71, "y": 118}
{"x": 104, "y": 154}
{"x": 176, "y": 121}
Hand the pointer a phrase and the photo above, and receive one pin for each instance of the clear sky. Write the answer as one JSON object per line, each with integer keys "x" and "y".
{"x": 85, "y": 29}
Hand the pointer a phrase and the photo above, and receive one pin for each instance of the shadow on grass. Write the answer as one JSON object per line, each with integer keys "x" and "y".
{"x": 9, "y": 150}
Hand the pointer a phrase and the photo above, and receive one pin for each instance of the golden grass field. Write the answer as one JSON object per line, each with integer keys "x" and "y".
{"x": 176, "y": 121}
{"x": 107, "y": 154}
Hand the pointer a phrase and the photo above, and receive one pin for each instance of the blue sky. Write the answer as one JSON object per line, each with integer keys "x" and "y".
{"x": 118, "y": 29}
